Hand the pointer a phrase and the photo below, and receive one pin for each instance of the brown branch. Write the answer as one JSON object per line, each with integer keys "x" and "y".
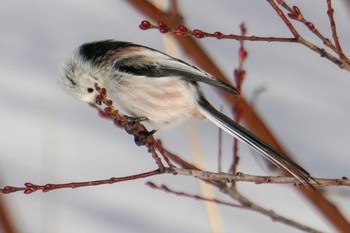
{"x": 196, "y": 197}
{"x": 239, "y": 76}
{"x": 343, "y": 63}
{"x": 246, "y": 205}
{"x": 284, "y": 17}
{"x": 6, "y": 223}
{"x": 296, "y": 14}
{"x": 330, "y": 13}
{"x": 177, "y": 159}
{"x": 183, "y": 31}
{"x": 204, "y": 175}
{"x": 30, "y": 188}
{"x": 240, "y": 177}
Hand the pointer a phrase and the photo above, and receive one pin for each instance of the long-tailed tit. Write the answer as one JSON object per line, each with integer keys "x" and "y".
{"x": 162, "y": 89}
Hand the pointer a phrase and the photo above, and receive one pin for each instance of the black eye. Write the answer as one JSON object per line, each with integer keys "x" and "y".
{"x": 90, "y": 90}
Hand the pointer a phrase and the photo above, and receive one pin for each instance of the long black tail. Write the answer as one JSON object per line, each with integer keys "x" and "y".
{"x": 237, "y": 131}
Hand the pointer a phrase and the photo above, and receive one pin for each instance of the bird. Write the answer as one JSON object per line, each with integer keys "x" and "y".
{"x": 161, "y": 89}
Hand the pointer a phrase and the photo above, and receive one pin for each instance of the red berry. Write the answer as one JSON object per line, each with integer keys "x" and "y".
{"x": 310, "y": 25}
{"x": 29, "y": 185}
{"x": 183, "y": 28}
{"x": 144, "y": 25}
{"x": 162, "y": 25}
{"x": 198, "y": 33}
{"x": 296, "y": 10}
{"x": 199, "y": 36}
{"x": 163, "y": 30}
{"x": 107, "y": 110}
{"x": 28, "y": 191}
{"x": 99, "y": 97}
{"x": 243, "y": 53}
{"x": 292, "y": 16}
{"x": 7, "y": 189}
{"x": 217, "y": 34}
{"x": 279, "y": 1}
{"x": 109, "y": 102}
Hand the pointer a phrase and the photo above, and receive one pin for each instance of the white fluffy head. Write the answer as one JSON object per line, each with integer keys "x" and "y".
{"x": 77, "y": 77}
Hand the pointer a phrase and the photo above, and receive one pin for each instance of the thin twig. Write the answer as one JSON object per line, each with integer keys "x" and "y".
{"x": 295, "y": 13}
{"x": 30, "y": 188}
{"x": 196, "y": 197}
{"x": 239, "y": 77}
{"x": 330, "y": 13}
{"x": 284, "y": 18}
{"x": 245, "y": 204}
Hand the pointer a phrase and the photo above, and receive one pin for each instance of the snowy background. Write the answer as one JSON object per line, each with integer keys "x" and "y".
{"x": 46, "y": 136}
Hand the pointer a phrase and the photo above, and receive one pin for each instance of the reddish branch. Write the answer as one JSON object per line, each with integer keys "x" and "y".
{"x": 294, "y": 13}
{"x": 251, "y": 206}
{"x": 330, "y": 14}
{"x": 239, "y": 76}
{"x": 30, "y": 188}
{"x": 212, "y": 177}
{"x": 343, "y": 62}
{"x": 197, "y": 197}
{"x": 188, "y": 170}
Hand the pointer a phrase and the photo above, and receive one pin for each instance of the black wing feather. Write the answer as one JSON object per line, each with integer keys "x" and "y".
{"x": 144, "y": 66}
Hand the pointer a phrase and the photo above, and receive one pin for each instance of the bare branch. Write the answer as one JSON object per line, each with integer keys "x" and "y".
{"x": 246, "y": 205}
{"x": 30, "y": 188}
{"x": 227, "y": 177}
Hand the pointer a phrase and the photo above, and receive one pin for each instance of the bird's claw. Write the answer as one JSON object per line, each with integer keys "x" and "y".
{"x": 143, "y": 136}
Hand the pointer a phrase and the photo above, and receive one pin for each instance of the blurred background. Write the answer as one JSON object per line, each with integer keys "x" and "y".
{"x": 47, "y": 136}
